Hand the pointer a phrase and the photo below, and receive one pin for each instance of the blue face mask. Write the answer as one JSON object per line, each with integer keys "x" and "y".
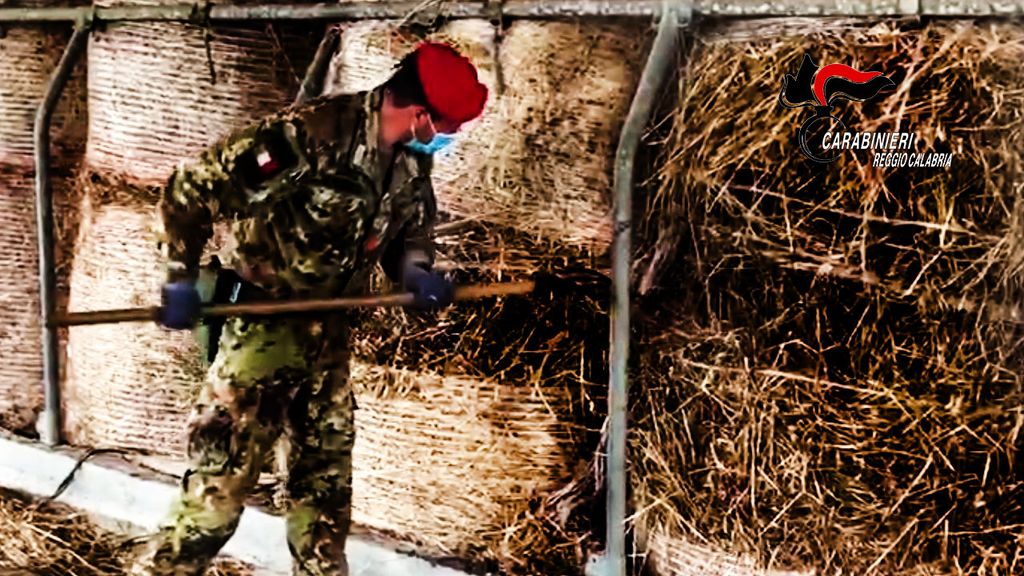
{"x": 436, "y": 144}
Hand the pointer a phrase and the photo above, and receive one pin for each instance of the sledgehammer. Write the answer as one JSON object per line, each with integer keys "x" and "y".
{"x": 570, "y": 280}
{"x": 272, "y": 308}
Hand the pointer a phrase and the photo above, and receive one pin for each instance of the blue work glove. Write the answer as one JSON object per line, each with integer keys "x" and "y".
{"x": 180, "y": 305}
{"x": 430, "y": 290}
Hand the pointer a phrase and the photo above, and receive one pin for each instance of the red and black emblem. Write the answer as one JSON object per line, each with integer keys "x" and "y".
{"x": 821, "y": 88}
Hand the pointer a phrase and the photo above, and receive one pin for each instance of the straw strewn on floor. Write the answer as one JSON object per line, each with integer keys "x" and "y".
{"x": 53, "y": 539}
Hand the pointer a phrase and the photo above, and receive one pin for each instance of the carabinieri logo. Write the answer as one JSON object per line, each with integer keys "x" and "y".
{"x": 822, "y": 88}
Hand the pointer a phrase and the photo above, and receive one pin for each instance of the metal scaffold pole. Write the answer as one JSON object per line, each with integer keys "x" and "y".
{"x": 660, "y": 62}
{"x": 49, "y": 424}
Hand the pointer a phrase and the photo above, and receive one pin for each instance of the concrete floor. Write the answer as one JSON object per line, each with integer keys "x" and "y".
{"x": 133, "y": 504}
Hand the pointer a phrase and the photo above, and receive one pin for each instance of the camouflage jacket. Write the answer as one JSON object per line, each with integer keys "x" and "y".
{"x": 311, "y": 204}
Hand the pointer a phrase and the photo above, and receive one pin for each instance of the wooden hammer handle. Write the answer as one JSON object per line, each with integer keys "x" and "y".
{"x": 272, "y": 308}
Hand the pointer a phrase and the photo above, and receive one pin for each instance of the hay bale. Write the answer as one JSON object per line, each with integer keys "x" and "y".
{"x": 561, "y": 337}
{"x": 539, "y": 159}
{"x": 543, "y": 357}
{"x": 28, "y": 56}
{"x": 668, "y": 552}
{"x": 452, "y": 465}
{"x": 829, "y": 363}
{"x": 156, "y": 99}
{"x": 21, "y": 394}
{"x": 127, "y": 385}
{"x": 21, "y": 391}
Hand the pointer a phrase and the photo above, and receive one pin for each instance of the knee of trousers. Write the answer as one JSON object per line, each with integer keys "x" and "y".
{"x": 209, "y": 506}
{"x": 324, "y": 489}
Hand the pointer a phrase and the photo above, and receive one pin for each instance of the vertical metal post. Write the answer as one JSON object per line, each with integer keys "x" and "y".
{"x": 659, "y": 64}
{"x": 49, "y": 422}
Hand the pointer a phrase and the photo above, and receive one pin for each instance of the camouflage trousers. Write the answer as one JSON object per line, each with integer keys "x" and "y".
{"x": 269, "y": 377}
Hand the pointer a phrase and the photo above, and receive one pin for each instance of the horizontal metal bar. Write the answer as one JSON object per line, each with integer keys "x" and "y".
{"x": 383, "y": 10}
{"x": 951, "y": 8}
{"x": 516, "y": 9}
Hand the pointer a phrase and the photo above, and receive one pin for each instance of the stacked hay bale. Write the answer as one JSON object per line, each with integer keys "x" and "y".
{"x": 538, "y": 157}
{"x": 487, "y": 446}
{"x": 21, "y": 390}
{"x": 830, "y": 359}
{"x": 28, "y": 56}
{"x": 502, "y": 401}
{"x": 159, "y": 94}
{"x": 128, "y": 385}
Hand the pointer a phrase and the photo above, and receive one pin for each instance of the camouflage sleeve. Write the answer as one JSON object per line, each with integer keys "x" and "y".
{"x": 245, "y": 168}
{"x": 415, "y": 243}
{"x": 419, "y": 232}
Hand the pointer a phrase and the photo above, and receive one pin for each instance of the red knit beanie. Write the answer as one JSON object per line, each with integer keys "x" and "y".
{"x": 450, "y": 82}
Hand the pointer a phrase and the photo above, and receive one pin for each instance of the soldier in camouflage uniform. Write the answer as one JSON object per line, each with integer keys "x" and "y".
{"x": 315, "y": 197}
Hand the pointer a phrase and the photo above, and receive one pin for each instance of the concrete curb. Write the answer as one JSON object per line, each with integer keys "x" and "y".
{"x": 121, "y": 498}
